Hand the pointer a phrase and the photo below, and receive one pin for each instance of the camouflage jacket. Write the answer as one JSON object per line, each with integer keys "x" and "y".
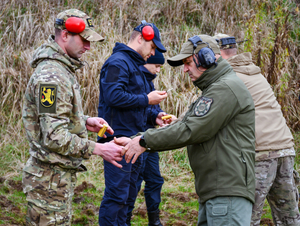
{"x": 52, "y": 110}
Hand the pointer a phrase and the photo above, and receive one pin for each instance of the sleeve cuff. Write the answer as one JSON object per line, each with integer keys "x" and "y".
{"x": 85, "y": 117}
{"x": 154, "y": 116}
{"x": 90, "y": 149}
{"x": 143, "y": 100}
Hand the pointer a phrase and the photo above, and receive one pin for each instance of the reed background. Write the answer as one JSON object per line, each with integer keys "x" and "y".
{"x": 271, "y": 28}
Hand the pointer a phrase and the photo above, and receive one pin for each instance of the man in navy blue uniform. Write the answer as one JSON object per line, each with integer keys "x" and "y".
{"x": 150, "y": 172}
{"x": 124, "y": 98}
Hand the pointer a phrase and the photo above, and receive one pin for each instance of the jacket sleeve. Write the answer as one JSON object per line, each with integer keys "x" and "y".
{"x": 114, "y": 84}
{"x": 195, "y": 129}
{"x": 153, "y": 111}
{"x": 55, "y": 127}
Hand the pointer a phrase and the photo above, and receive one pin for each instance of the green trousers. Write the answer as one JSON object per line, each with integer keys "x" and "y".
{"x": 225, "y": 211}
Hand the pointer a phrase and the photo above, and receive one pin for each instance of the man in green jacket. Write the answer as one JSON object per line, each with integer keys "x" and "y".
{"x": 274, "y": 146}
{"x": 218, "y": 130}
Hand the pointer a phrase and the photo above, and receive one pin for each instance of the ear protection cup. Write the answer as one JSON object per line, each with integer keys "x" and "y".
{"x": 73, "y": 24}
{"x": 147, "y": 31}
{"x": 206, "y": 57}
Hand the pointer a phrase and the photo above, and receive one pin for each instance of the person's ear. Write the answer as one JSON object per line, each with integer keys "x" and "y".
{"x": 140, "y": 39}
{"x": 64, "y": 35}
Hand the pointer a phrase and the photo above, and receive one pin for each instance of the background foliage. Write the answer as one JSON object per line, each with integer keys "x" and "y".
{"x": 271, "y": 28}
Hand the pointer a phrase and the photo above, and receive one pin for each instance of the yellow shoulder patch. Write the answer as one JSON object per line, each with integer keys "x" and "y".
{"x": 47, "y": 97}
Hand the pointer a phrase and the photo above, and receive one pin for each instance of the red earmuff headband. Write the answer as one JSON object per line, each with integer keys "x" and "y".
{"x": 147, "y": 31}
{"x": 75, "y": 25}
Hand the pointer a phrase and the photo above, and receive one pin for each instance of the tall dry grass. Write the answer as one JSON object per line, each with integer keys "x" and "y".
{"x": 272, "y": 28}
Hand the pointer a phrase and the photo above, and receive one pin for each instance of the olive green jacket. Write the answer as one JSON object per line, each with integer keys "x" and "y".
{"x": 218, "y": 130}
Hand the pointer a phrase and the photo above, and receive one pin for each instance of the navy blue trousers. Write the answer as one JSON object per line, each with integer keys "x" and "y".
{"x": 120, "y": 189}
{"x": 150, "y": 173}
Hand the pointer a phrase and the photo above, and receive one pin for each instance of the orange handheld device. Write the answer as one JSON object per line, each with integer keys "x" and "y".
{"x": 166, "y": 117}
{"x": 102, "y": 130}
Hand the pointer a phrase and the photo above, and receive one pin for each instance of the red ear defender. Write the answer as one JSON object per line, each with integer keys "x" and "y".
{"x": 148, "y": 33}
{"x": 75, "y": 25}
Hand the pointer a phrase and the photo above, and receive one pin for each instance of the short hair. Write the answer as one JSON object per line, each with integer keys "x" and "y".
{"x": 134, "y": 34}
{"x": 230, "y": 46}
{"x": 230, "y": 52}
{"x": 57, "y": 32}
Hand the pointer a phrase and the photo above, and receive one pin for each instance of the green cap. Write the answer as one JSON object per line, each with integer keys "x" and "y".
{"x": 88, "y": 33}
{"x": 187, "y": 50}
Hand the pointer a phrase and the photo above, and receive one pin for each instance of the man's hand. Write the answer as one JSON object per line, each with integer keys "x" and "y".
{"x": 111, "y": 152}
{"x": 163, "y": 122}
{"x": 159, "y": 120}
{"x": 94, "y": 124}
{"x": 155, "y": 97}
{"x": 121, "y": 141}
{"x": 133, "y": 149}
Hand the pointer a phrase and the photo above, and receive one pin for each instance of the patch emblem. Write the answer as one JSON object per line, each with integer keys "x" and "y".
{"x": 47, "y": 97}
{"x": 203, "y": 106}
{"x": 89, "y": 21}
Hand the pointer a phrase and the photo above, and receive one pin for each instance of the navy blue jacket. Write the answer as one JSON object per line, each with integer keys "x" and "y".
{"x": 153, "y": 110}
{"x": 123, "y": 100}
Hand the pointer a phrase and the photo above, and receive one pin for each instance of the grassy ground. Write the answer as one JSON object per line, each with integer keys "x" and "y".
{"x": 273, "y": 33}
{"x": 179, "y": 204}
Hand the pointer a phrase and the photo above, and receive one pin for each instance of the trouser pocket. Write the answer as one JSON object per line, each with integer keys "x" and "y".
{"x": 49, "y": 187}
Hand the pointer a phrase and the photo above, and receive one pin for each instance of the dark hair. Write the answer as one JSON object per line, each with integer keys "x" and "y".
{"x": 57, "y": 32}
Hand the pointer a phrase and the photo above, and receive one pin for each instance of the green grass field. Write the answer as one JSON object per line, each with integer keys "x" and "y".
{"x": 179, "y": 204}
{"x": 273, "y": 34}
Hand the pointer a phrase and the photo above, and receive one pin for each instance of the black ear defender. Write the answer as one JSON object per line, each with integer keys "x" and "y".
{"x": 147, "y": 30}
{"x": 227, "y": 41}
{"x": 206, "y": 57}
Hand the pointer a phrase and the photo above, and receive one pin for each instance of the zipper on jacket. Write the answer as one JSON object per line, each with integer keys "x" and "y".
{"x": 244, "y": 161}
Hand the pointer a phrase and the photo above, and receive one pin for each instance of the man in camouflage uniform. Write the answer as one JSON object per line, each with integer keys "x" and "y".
{"x": 274, "y": 142}
{"x": 55, "y": 124}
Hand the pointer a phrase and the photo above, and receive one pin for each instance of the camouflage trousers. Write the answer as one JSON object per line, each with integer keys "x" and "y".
{"x": 49, "y": 190}
{"x": 275, "y": 181}
{"x": 39, "y": 216}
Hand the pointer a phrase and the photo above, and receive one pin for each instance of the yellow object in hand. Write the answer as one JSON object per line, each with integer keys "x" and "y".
{"x": 102, "y": 130}
{"x": 166, "y": 117}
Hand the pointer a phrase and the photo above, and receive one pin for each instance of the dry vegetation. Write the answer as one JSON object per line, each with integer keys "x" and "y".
{"x": 271, "y": 27}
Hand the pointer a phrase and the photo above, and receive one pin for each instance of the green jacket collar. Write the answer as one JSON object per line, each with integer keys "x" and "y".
{"x": 212, "y": 74}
